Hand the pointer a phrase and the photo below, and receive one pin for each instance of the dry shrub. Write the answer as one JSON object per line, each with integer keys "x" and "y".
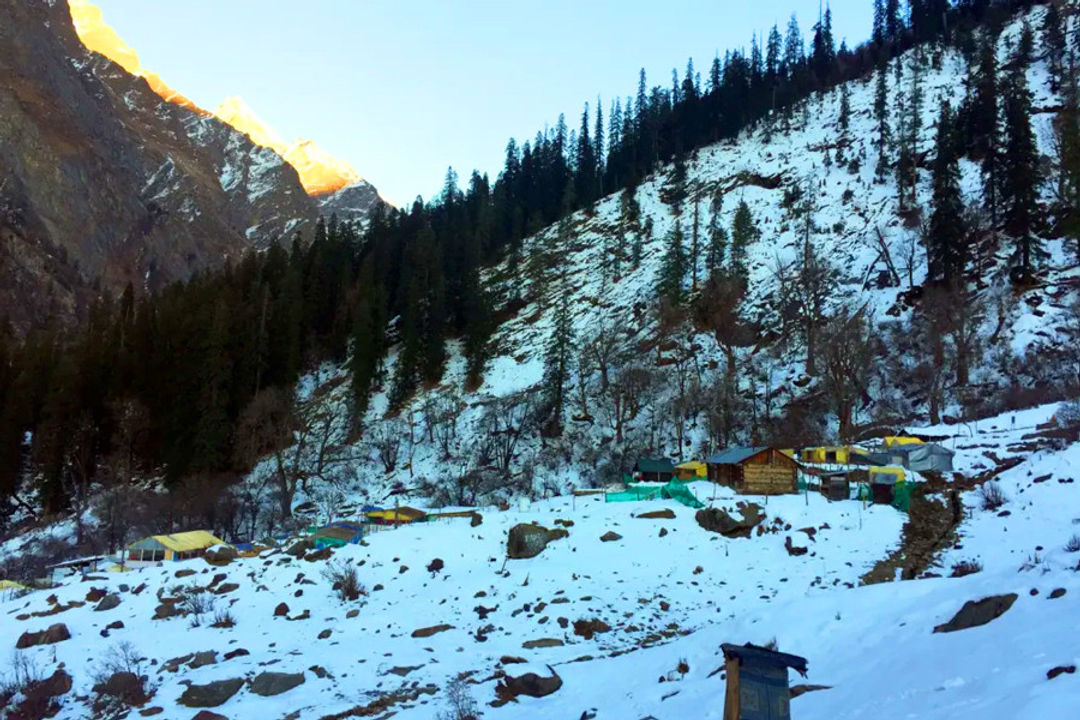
{"x": 992, "y": 496}
{"x": 966, "y": 567}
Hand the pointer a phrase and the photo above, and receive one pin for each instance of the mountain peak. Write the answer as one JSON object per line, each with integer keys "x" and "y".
{"x": 320, "y": 172}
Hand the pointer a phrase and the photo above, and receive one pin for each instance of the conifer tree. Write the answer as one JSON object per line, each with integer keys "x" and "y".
{"x": 558, "y": 359}
{"x": 695, "y": 245}
{"x": 1068, "y": 146}
{"x": 743, "y": 233}
{"x": 673, "y": 270}
{"x": 884, "y": 135}
{"x": 984, "y": 127}
{"x": 844, "y": 120}
{"x": 1053, "y": 39}
{"x": 718, "y": 236}
{"x": 1020, "y": 171}
{"x": 947, "y": 252}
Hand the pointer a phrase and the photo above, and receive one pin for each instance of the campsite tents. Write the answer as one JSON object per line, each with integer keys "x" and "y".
{"x": 654, "y": 470}
{"x": 673, "y": 490}
{"x": 178, "y": 546}
{"x": 337, "y": 534}
{"x": 398, "y": 516}
{"x": 922, "y": 457}
{"x": 691, "y": 470}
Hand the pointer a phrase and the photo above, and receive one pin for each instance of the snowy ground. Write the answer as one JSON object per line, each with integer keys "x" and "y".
{"x": 874, "y": 645}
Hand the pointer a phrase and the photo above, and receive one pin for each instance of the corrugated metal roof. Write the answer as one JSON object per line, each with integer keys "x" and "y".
{"x": 734, "y": 455}
{"x": 185, "y": 541}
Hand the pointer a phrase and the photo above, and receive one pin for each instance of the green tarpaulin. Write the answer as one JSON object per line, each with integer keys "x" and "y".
{"x": 673, "y": 490}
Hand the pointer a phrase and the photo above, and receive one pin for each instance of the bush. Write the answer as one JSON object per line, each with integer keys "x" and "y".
{"x": 344, "y": 580}
{"x": 223, "y": 618}
{"x": 113, "y": 699}
{"x": 966, "y": 567}
{"x": 992, "y": 496}
{"x": 460, "y": 701}
{"x": 1073, "y": 545}
{"x": 196, "y": 602}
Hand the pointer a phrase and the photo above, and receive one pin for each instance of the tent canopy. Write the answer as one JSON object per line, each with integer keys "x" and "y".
{"x": 178, "y": 542}
{"x": 735, "y": 455}
{"x": 655, "y": 465}
{"x": 692, "y": 468}
{"x": 894, "y": 440}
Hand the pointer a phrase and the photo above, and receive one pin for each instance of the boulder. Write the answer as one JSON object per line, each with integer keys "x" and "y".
{"x": 719, "y": 521}
{"x": 202, "y": 659}
{"x": 325, "y": 554}
{"x": 224, "y": 588}
{"x": 208, "y": 715}
{"x": 1056, "y": 593}
{"x": 429, "y": 631}
{"x": 529, "y": 684}
{"x": 220, "y": 555}
{"x": 109, "y": 602}
{"x": 238, "y": 652}
{"x": 325, "y": 634}
{"x": 526, "y": 541}
{"x": 665, "y": 514}
{"x": 477, "y": 519}
{"x": 978, "y": 612}
{"x": 94, "y": 594}
{"x": 299, "y": 548}
{"x": 282, "y": 610}
{"x": 435, "y": 565}
{"x": 274, "y": 683}
{"x": 127, "y": 687}
{"x": 164, "y": 610}
{"x": 793, "y": 549}
{"x": 610, "y": 536}
{"x": 588, "y": 628}
{"x": 542, "y": 643}
{"x": 53, "y": 634}
{"x": 39, "y": 693}
{"x": 211, "y": 694}
{"x": 1059, "y": 670}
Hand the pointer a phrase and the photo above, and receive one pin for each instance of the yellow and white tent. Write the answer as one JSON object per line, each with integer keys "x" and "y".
{"x": 177, "y": 546}
{"x": 691, "y": 470}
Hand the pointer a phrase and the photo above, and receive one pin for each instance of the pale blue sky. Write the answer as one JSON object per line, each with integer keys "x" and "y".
{"x": 404, "y": 88}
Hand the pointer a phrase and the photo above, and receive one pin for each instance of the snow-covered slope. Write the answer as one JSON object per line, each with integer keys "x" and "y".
{"x": 670, "y": 591}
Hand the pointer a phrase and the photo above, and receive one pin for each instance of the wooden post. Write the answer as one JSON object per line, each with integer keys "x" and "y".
{"x": 732, "y": 709}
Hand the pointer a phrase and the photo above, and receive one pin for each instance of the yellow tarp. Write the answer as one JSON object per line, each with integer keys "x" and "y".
{"x": 898, "y": 475}
{"x": 188, "y": 541}
{"x": 900, "y": 440}
{"x": 11, "y": 585}
{"x": 404, "y": 514}
{"x": 692, "y": 468}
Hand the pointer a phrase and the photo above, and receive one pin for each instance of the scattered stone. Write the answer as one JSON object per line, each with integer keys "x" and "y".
{"x": 299, "y": 548}
{"x": 127, "y": 687}
{"x": 529, "y": 684}
{"x": 94, "y": 594}
{"x": 429, "y": 631}
{"x": 511, "y": 660}
{"x": 610, "y": 536}
{"x": 108, "y": 602}
{"x": 211, "y": 694}
{"x": 663, "y": 531}
{"x": 238, "y": 652}
{"x": 403, "y": 569}
{"x": 1059, "y": 670}
{"x": 588, "y": 628}
{"x": 403, "y": 671}
{"x": 978, "y": 612}
{"x": 477, "y": 519}
{"x": 274, "y": 683}
{"x": 320, "y": 672}
{"x": 53, "y": 634}
{"x": 39, "y": 693}
{"x": 157, "y": 710}
{"x": 665, "y": 514}
{"x": 792, "y": 549}
{"x": 208, "y": 715}
{"x": 435, "y": 565}
{"x": 226, "y": 588}
{"x": 1056, "y": 593}
{"x": 282, "y": 610}
{"x": 164, "y": 610}
{"x": 351, "y": 614}
{"x": 325, "y": 634}
{"x": 186, "y": 572}
{"x": 202, "y": 659}
{"x": 542, "y": 643}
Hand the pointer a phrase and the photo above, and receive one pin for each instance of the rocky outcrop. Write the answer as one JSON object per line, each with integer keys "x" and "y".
{"x": 978, "y": 612}
{"x": 103, "y": 181}
{"x": 529, "y": 684}
{"x": 211, "y": 694}
{"x": 275, "y": 683}
{"x": 526, "y": 541}
{"x": 53, "y": 634}
{"x": 719, "y": 521}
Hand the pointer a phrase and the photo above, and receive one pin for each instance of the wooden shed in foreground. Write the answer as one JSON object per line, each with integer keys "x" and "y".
{"x": 754, "y": 470}
{"x": 757, "y": 682}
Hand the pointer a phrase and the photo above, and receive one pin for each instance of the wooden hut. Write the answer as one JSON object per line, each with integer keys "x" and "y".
{"x": 654, "y": 470}
{"x": 754, "y": 470}
{"x": 757, "y": 682}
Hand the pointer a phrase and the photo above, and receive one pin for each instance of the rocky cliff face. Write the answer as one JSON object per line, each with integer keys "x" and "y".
{"x": 103, "y": 183}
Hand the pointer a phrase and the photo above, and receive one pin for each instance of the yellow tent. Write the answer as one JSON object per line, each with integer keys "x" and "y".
{"x": 691, "y": 470}
{"x": 886, "y": 475}
{"x": 11, "y": 585}
{"x": 828, "y": 455}
{"x": 401, "y": 515}
{"x": 895, "y": 440}
{"x": 177, "y": 546}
